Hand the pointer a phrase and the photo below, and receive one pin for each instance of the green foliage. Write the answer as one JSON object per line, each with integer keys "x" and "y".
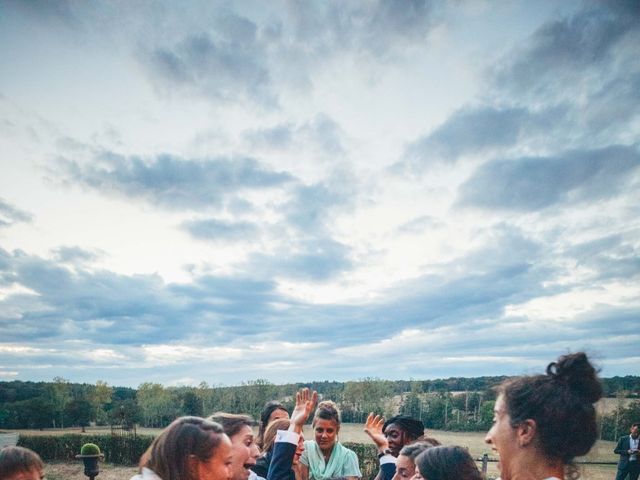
{"x": 119, "y": 450}
{"x": 90, "y": 449}
{"x": 367, "y": 458}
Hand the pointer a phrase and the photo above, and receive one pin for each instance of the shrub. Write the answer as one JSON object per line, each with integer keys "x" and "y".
{"x": 90, "y": 449}
{"x": 119, "y": 450}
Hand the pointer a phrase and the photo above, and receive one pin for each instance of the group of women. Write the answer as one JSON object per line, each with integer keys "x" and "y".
{"x": 541, "y": 423}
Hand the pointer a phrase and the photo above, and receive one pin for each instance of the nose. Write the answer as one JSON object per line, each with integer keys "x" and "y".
{"x": 487, "y": 438}
{"x": 255, "y": 451}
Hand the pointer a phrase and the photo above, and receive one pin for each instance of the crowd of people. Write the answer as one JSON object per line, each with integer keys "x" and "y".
{"x": 541, "y": 424}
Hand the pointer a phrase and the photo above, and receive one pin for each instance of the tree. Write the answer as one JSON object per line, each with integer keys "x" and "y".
{"x": 60, "y": 396}
{"x": 80, "y": 412}
{"x": 99, "y": 398}
{"x": 191, "y": 404}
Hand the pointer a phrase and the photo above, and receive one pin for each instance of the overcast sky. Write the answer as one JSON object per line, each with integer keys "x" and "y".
{"x": 308, "y": 190}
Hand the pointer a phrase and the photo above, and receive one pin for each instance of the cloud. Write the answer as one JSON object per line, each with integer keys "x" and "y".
{"x": 321, "y": 132}
{"x": 172, "y": 182}
{"x": 227, "y": 63}
{"x": 478, "y": 130}
{"x": 75, "y": 255}
{"x": 214, "y": 229}
{"x": 572, "y": 53}
{"x": 530, "y": 183}
{"x": 314, "y": 258}
{"x": 10, "y": 215}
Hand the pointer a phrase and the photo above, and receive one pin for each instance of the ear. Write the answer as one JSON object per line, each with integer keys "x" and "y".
{"x": 526, "y": 432}
{"x": 192, "y": 466}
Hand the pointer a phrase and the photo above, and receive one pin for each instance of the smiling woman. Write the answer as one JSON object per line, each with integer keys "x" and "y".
{"x": 244, "y": 451}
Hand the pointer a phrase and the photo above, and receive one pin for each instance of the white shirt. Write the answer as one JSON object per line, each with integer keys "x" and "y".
{"x": 633, "y": 445}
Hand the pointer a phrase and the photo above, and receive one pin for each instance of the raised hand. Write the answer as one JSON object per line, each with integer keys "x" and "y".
{"x": 305, "y": 402}
{"x": 373, "y": 428}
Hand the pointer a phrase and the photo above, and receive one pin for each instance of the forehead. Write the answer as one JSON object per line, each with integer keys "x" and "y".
{"x": 405, "y": 462}
{"x": 243, "y": 433}
{"x": 278, "y": 413}
{"x": 393, "y": 427}
{"x": 324, "y": 423}
{"x": 500, "y": 406}
{"x": 33, "y": 474}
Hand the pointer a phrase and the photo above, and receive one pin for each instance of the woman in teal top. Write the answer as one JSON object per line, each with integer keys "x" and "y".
{"x": 325, "y": 458}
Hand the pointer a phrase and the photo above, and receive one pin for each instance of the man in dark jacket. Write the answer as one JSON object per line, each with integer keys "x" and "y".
{"x": 627, "y": 448}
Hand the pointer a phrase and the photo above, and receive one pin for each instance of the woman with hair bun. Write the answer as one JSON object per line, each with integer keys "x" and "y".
{"x": 542, "y": 422}
{"x": 325, "y": 458}
{"x": 446, "y": 463}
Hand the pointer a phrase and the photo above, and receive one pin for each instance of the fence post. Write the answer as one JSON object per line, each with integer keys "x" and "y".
{"x": 485, "y": 463}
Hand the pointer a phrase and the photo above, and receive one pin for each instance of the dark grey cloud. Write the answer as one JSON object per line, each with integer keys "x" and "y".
{"x": 10, "y": 214}
{"x": 534, "y": 183}
{"x": 564, "y": 54}
{"x": 228, "y": 63}
{"x": 610, "y": 257}
{"x": 172, "y": 182}
{"x": 123, "y": 309}
{"x": 224, "y": 230}
{"x": 476, "y": 130}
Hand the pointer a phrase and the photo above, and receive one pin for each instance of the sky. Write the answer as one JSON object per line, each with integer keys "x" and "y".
{"x": 225, "y": 191}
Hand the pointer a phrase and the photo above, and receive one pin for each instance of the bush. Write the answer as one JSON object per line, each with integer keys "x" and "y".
{"x": 119, "y": 450}
{"x": 90, "y": 449}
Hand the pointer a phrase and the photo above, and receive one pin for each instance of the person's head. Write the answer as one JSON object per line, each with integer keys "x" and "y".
{"x": 446, "y": 463}
{"x": 400, "y": 431}
{"x": 546, "y": 419}
{"x": 244, "y": 451}
{"x": 635, "y": 430}
{"x": 405, "y": 464}
{"x": 19, "y": 463}
{"x": 270, "y": 437}
{"x": 326, "y": 425}
{"x": 272, "y": 411}
{"x": 190, "y": 448}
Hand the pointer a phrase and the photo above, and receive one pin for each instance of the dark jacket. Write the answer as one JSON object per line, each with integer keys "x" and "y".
{"x": 622, "y": 449}
{"x": 280, "y": 467}
{"x": 262, "y": 464}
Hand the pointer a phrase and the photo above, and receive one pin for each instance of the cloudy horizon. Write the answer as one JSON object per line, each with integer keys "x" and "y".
{"x": 224, "y": 192}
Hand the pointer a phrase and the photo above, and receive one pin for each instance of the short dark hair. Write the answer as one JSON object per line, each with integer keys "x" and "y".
{"x": 169, "y": 453}
{"x": 232, "y": 423}
{"x": 637, "y": 424}
{"x": 414, "y": 428}
{"x": 15, "y": 460}
{"x": 267, "y": 410}
{"x": 561, "y": 404}
{"x": 447, "y": 463}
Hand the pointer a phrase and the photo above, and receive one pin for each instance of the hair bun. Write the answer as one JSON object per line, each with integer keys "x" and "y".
{"x": 328, "y": 405}
{"x": 578, "y": 373}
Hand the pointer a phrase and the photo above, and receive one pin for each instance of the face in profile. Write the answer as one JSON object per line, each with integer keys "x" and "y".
{"x": 299, "y": 450}
{"x": 396, "y": 437}
{"x": 219, "y": 466}
{"x": 502, "y": 438}
{"x": 244, "y": 453}
{"x": 405, "y": 468}
{"x": 326, "y": 432}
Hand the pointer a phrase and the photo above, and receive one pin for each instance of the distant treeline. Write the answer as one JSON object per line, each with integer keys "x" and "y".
{"x": 449, "y": 404}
